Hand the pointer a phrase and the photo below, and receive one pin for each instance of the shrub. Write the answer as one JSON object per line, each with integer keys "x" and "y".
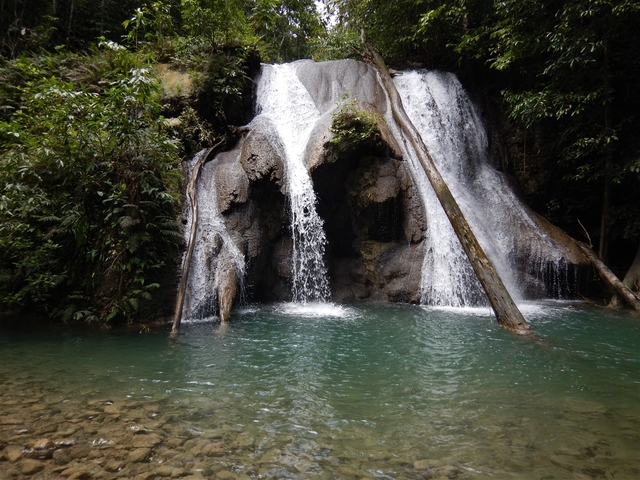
{"x": 89, "y": 195}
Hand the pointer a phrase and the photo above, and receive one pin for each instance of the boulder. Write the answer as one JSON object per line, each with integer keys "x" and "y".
{"x": 13, "y": 452}
{"x": 393, "y": 270}
{"x": 231, "y": 181}
{"x": 29, "y": 466}
{"x": 262, "y": 153}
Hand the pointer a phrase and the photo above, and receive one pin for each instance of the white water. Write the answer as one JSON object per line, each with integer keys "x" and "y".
{"x": 285, "y": 101}
{"x": 454, "y": 135}
{"x": 214, "y": 249}
{"x": 447, "y": 276}
{"x": 452, "y": 131}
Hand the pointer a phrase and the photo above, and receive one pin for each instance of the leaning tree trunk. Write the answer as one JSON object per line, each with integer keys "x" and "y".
{"x": 505, "y": 308}
{"x": 186, "y": 261}
{"x": 610, "y": 278}
{"x": 632, "y": 278}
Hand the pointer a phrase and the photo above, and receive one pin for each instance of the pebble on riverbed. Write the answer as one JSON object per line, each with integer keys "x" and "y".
{"x": 74, "y": 437}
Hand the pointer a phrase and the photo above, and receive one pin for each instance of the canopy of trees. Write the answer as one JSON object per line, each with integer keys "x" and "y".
{"x": 90, "y": 170}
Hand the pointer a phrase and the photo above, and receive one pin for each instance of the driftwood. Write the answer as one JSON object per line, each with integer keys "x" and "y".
{"x": 610, "y": 278}
{"x": 186, "y": 261}
{"x": 506, "y": 311}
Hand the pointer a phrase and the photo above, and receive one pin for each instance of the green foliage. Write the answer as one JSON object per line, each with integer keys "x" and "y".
{"x": 193, "y": 132}
{"x": 564, "y": 73}
{"x": 581, "y": 58}
{"x": 339, "y": 43}
{"x": 89, "y": 192}
{"x": 30, "y": 26}
{"x": 353, "y": 125}
{"x": 285, "y": 28}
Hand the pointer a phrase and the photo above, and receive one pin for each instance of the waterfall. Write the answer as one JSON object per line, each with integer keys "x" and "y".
{"x": 453, "y": 132}
{"x": 289, "y": 137}
{"x": 286, "y": 102}
{"x": 447, "y": 276}
{"x": 215, "y": 251}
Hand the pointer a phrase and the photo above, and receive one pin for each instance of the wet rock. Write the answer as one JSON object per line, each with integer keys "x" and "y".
{"x": 214, "y": 449}
{"x": 37, "y": 454}
{"x": 151, "y": 408}
{"x": 82, "y": 474}
{"x": 61, "y": 457}
{"x": 113, "y": 465}
{"x": 393, "y": 270}
{"x": 43, "y": 444}
{"x": 139, "y": 455}
{"x": 374, "y": 181}
{"x": 164, "y": 471}
{"x": 349, "y": 280}
{"x": 282, "y": 257}
{"x": 175, "y": 442}
{"x": 195, "y": 476}
{"x": 353, "y": 472}
{"x": 315, "y": 153}
{"x": 323, "y": 79}
{"x": 145, "y": 476}
{"x": 148, "y": 441}
{"x": 226, "y": 475}
{"x": 232, "y": 183}
{"x": 29, "y": 466}
{"x": 271, "y": 456}
{"x": 227, "y": 291}
{"x": 244, "y": 440}
{"x": 194, "y": 446}
{"x": 12, "y": 472}
{"x": 262, "y": 153}
{"x": 112, "y": 409}
{"x": 13, "y": 452}
{"x": 10, "y": 421}
{"x": 48, "y": 429}
{"x": 178, "y": 472}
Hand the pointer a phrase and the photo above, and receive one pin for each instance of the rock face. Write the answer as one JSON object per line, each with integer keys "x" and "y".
{"x": 373, "y": 212}
{"x": 374, "y": 225}
{"x": 374, "y": 221}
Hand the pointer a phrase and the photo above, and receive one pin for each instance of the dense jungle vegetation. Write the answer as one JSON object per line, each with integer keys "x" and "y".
{"x": 90, "y": 168}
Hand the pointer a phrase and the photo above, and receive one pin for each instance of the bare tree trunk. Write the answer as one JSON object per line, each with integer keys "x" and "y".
{"x": 186, "y": 262}
{"x": 603, "y": 247}
{"x": 69, "y": 24}
{"x": 632, "y": 278}
{"x": 505, "y": 308}
{"x": 610, "y": 279}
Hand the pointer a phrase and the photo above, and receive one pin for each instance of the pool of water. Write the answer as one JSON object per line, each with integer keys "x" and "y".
{"x": 333, "y": 391}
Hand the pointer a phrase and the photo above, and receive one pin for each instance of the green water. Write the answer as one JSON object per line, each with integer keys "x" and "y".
{"x": 355, "y": 391}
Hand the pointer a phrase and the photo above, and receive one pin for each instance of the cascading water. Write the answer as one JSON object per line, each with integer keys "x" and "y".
{"x": 447, "y": 276}
{"x": 214, "y": 253}
{"x": 286, "y": 102}
{"x": 295, "y": 103}
{"x": 453, "y": 132}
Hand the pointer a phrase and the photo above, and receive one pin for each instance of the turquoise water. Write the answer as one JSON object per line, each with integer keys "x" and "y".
{"x": 351, "y": 391}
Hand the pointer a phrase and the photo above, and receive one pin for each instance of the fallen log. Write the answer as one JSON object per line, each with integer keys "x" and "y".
{"x": 610, "y": 278}
{"x": 186, "y": 261}
{"x": 507, "y": 312}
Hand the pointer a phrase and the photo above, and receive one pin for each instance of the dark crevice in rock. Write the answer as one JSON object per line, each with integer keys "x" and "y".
{"x": 366, "y": 200}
